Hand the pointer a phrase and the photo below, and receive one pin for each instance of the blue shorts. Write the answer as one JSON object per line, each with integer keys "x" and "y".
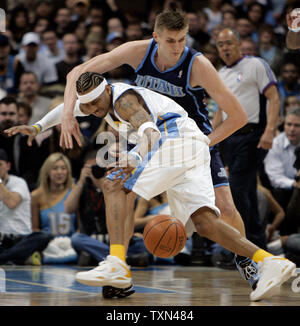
{"x": 218, "y": 172}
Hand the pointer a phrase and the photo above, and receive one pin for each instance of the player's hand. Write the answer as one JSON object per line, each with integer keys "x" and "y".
{"x": 123, "y": 167}
{"x": 86, "y": 171}
{"x": 69, "y": 128}
{"x": 24, "y": 129}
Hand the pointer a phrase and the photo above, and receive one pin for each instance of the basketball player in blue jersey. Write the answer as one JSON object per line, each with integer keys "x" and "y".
{"x": 166, "y": 65}
{"x": 162, "y": 127}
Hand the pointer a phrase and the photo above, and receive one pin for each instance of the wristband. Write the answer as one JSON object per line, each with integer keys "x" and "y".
{"x": 137, "y": 156}
{"x": 295, "y": 30}
{"x": 37, "y": 128}
{"x": 146, "y": 125}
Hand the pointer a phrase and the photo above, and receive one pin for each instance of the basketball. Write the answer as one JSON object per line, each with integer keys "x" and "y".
{"x": 164, "y": 236}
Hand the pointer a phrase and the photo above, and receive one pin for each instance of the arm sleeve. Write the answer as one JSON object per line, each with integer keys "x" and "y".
{"x": 53, "y": 117}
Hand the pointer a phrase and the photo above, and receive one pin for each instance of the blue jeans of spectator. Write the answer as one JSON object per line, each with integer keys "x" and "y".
{"x": 99, "y": 250}
{"x": 18, "y": 248}
{"x": 244, "y": 159}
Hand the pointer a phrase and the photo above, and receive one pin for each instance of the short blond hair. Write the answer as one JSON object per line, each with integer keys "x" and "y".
{"x": 44, "y": 180}
{"x": 173, "y": 20}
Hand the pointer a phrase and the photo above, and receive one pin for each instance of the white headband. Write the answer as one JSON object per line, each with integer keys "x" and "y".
{"x": 89, "y": 97}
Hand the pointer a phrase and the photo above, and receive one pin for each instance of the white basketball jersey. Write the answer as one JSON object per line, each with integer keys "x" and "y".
{"x": 170, "y": 117}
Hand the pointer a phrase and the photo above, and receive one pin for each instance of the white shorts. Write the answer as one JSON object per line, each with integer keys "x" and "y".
{"x": 180, "y": 166}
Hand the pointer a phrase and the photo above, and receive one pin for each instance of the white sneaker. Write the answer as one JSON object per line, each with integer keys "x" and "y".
{"x": 112, "y": 271}
{"x": 273, "y": 271}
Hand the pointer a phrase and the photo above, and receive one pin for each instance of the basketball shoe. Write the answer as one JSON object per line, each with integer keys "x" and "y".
{"x": 248, "y": 269}
{"x": 273, "y": 272}
{"x": 110, "y": 292}
{"x": 112, "y": 272}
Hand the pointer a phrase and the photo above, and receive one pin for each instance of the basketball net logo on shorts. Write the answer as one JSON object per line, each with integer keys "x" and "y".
{"x": 177, "y": 151}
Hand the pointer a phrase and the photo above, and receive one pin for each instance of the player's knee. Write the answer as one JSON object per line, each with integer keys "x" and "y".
{"x": 228, "y": 212}
{"x": 204, "y": 221}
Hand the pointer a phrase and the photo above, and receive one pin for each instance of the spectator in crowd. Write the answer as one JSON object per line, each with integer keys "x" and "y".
{"x": 40, "y": 25}
{"x": 113, "y": 40}
{"x": 96, "y": 16}
{"x": 10, "y": 68}
{"x": 47, "y": 207}
{"x": 256, "y": 15}
{"x": 18, "y": 23}
{"x": 94, "y": 46}
{"x": 36, "y": 62}
{"x": 71, "y": 58}
{"x": 63, "y": 22}
{"x": 201, "y": 34}
{"x": 249, "y": 47}
{"x": 134, "y": 31}
{"x": 271, "y": 213}
{"x": 289, "y": 103}
{"x": 24, "y": 113}
{"x": 52, "y": 46}
{"x": 244, "y": 28}
{"x": 248, "y": 146}
{"x": 279, "y": 163}
{"x": 268, "y": 49}
{"x": 87, "y": 199}
{"x": 29, "y": 93}
{"x": 229, "y": 19}
{"x": 81, "y": 10}
{"x": 288, "y": 83}
{"x": 213, "y": 11}
{"x": 18, "y": 244}
{"x": 115, "y": 24}
{"x": 25, "y": 161}
{"x": 45, "y": 9}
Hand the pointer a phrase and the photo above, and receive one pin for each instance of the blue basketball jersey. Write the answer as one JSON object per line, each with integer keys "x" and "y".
{"x": 55, "y": 221}
{"x": 174, "y": 83}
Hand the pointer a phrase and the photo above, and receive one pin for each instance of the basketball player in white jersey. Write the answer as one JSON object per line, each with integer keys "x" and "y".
{"x": 166, "y": 65}
{"x": 162, "y": 126}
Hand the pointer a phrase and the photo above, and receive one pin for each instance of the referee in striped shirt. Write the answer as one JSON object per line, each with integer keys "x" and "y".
{"x": 253, "y": 83}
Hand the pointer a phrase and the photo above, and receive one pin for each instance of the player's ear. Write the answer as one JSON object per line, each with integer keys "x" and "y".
{"x": 154, "y": 35}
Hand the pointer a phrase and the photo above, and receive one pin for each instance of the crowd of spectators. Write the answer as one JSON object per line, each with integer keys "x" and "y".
{"x": 44, "y": 40}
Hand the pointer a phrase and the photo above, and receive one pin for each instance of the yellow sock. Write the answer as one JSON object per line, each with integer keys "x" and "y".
{"x": 260, "y": 255}
{"x": 118, "y": 250}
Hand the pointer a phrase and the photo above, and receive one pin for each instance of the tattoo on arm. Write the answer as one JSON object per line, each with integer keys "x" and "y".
{"x": 132, "y": 108}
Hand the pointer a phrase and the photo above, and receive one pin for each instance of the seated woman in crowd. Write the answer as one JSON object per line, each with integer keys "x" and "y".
{"x": 48, "y": 213}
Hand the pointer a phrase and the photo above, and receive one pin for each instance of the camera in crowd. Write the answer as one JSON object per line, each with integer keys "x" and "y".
{"x": 98, "y": 172}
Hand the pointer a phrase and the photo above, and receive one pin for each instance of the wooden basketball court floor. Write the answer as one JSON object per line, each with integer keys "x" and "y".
{"x": 155, "y": 286}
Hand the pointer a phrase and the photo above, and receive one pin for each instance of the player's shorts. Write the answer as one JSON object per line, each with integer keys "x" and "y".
{"x": 218, "y": 172}
{"x": 180, "y": 166}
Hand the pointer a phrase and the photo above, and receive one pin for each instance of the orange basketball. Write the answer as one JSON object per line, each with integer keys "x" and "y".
{"x": 164, "y": 236}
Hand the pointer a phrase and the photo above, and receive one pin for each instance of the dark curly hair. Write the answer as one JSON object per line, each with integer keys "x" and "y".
{"x": 87, "y": 81}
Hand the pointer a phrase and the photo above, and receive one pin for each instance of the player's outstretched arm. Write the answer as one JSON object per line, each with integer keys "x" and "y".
{"x": 130, "y": 53}
{"x": 204, "y": 74}
{"x": 50, "y": 120}
{"x": 24, "y": 129}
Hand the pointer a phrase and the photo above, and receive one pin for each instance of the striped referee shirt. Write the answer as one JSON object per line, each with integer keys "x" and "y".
{"x": 248, "y": 79}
